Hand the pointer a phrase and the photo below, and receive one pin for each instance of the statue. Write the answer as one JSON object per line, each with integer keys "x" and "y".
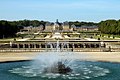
{"x": 58, "y": 68}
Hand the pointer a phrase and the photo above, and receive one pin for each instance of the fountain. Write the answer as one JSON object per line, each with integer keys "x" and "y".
{"x": 57, "y": 64}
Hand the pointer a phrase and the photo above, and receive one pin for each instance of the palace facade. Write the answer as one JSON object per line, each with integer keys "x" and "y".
{"x": 57, "y": 26}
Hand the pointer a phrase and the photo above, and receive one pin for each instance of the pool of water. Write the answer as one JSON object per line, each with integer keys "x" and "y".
{"x": 82, "y": 70}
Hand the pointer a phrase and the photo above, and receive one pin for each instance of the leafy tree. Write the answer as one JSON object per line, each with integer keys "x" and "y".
{"x": 110, "y": 26}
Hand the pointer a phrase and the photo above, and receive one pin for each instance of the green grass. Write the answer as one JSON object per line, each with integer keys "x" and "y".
{"x": 106, "y": 37}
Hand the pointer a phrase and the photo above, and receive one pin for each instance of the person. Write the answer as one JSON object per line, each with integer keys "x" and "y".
{"x": 109, "y": 49}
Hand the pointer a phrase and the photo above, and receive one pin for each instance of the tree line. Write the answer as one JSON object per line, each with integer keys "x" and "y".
{"x": 10, "y": 28}
{"x": 110, "y": 27}
{"x": 79, "y": 24}
{"x": 106, "y": 27}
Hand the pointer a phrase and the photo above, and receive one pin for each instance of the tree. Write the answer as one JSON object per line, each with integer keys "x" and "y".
{"x": 110, "y": 26}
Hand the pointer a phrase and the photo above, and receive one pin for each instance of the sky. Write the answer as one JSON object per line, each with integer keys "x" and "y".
{"x": 64, "y": 10}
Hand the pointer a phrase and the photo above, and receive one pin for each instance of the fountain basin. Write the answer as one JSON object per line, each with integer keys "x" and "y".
{"x": 82, "y": 70}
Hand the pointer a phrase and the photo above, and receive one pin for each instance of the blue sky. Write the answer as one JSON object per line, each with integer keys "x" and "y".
{"x": 64, "y": 10}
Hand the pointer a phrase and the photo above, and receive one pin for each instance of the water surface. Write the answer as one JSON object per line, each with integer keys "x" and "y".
{"x": 83, "y": 70}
